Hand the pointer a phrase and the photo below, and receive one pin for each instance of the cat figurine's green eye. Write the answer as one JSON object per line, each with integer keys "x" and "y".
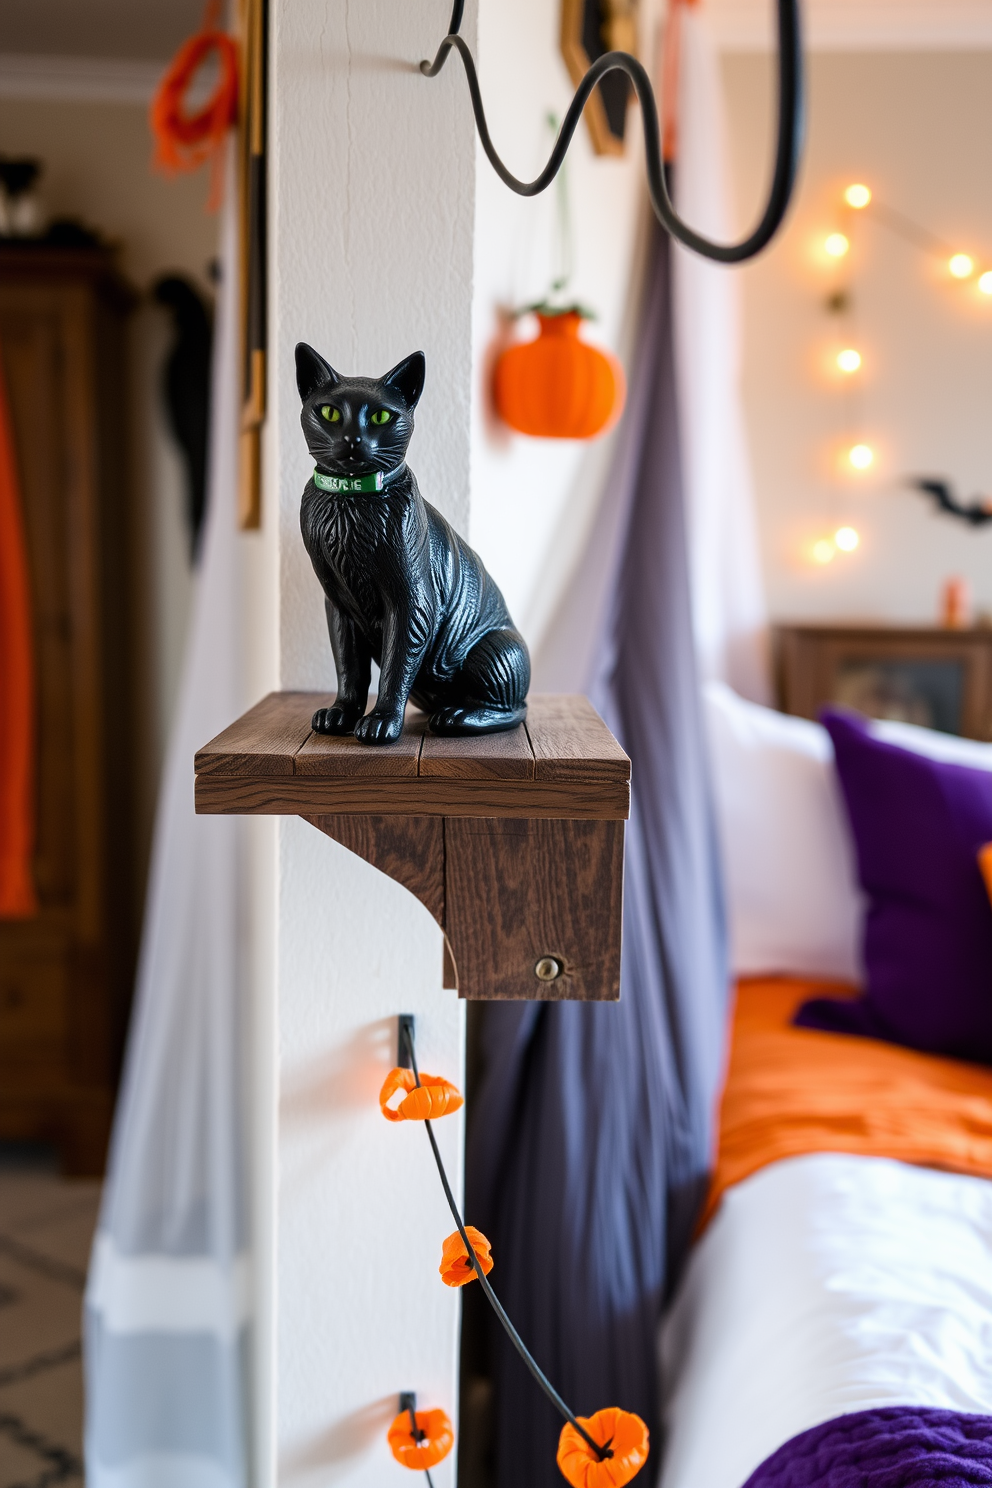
{"x": 401, "y": 587}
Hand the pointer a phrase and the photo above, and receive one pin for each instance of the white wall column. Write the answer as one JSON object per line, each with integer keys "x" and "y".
{"x": 372, "y": 174}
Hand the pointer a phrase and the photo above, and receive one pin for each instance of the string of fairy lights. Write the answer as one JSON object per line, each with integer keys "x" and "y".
{"x": 859, "y": 454}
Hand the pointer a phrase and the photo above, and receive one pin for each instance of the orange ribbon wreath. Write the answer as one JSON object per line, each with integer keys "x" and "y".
{"x": 434, "y": 1439}
{"x": 183, "y": 141}
{"x": 432, "y": 1098}
{"x": 627, "y": 1438}
{"x": 456, "y": 1269}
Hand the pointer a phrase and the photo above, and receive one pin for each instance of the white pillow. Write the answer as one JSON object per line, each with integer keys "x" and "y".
{"x": 788, "y": 857}
{"x": 948, "y": 747}
{"x": 793, "y": 899}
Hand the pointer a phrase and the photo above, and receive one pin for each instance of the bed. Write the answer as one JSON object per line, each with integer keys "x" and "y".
{"x": 834, "y": 1321}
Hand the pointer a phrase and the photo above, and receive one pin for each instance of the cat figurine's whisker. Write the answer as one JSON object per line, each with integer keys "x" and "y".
{"x": 401, "y": 587}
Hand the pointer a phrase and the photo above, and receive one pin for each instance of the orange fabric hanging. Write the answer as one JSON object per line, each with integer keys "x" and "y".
{"x": 183, "y": 141}
{"x": 17, "y": 722}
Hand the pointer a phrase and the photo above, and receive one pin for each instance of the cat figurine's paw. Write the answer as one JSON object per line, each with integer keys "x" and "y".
{"x": 377, "y": 728}
{"x": 337, "y": 720}
{"x": 454, "y": 721}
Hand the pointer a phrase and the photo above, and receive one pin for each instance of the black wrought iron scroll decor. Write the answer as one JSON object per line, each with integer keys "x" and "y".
{"x": 787, "y": 152}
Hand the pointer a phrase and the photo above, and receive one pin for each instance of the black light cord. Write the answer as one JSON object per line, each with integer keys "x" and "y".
{"x": 791, "y": 124}
{"x": 602, "y": 1452}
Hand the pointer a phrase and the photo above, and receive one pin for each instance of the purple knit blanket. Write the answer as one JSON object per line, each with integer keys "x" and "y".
{"x": 894, "y": 1447}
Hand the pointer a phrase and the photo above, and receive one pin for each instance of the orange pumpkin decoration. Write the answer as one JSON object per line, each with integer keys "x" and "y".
{"x": 432, "y": 1098}
{"x": 456, "y": 1269}
{"x": 434, "y": 1440}
{"x": 627, "y": 1438}
{"x": 558, "y": 386}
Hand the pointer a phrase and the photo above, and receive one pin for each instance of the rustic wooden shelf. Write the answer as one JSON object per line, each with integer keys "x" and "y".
{"x": 513, "y": 841}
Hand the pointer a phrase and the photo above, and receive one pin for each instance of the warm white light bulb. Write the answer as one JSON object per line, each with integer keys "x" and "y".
{"x": 822, "y": 551}
{"x": 857, "y": 196}
{"x": 861, "y": 456}
{"x": 847, "y": 539}
{"x": 961, "y": 266}
{"x": 836, "y": 245}
{"x": 849, "y": 360}
{"x": 985, "y": 283}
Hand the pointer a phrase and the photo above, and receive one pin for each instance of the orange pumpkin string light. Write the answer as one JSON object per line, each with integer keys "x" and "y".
{"x": 456, "y": 1268}
{"x": 419, "y": 1440}
{"x": 600, "y": 1452}
{"x": 183, "y": 141}
{"x": 625, "y": 1438}
{"x": 431, "y": 1098}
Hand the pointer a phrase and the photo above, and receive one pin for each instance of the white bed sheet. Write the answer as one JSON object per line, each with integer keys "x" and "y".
{"x": 825, "y": 1284}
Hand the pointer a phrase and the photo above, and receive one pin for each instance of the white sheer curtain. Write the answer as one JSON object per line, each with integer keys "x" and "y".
{"x": 728, "y": 603}
{"x": 167, "y": 1301}
{"x": 729, "y": 615}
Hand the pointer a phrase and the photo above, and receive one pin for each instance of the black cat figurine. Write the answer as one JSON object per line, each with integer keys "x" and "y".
{"x": 400, "y": 585}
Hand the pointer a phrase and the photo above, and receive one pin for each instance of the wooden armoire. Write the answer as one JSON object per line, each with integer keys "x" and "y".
{"x": 66, "y": 973}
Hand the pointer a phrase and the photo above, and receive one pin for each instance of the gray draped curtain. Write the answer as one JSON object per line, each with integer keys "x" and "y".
{"x": 591, "y": 1131}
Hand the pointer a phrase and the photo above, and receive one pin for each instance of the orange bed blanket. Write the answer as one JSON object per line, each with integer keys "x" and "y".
{"x": 791, "y": 1091}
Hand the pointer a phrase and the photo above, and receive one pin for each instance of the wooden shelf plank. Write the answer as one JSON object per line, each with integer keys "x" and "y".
{"x": 565, "y": 763}
{"x": 303, "y": 795}
{"x": 327, "y": 756}
{"x": 483, "y": 757}
{"x": 265, "y": 740}
{"x": 571, "y": 742}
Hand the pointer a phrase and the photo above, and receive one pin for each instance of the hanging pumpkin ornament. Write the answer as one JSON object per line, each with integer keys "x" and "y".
{"x": 422, "y": 1442}
{"x": 558, "y": 386}
{"x": 456, "y": 1269}
{"x": 432, "y": 1098}
{"x": 621, "y": 1431}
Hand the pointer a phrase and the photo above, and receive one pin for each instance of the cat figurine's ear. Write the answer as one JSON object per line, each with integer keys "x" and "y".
{"x": 407, "y": 377}
{"x": 312, "y": 372}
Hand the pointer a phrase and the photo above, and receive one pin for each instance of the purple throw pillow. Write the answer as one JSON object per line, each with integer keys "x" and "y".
{"x": 917, "y": 824}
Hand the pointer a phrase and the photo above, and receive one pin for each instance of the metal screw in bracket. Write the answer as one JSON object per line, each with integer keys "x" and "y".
{"x": 548, "y": 969}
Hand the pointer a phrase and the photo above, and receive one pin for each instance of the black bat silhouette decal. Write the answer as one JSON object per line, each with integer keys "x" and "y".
{"x": 977, "y": 513}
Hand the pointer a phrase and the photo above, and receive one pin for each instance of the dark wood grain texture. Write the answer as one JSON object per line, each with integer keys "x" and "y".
{"x": 266, "y": 739}
{"x": 416, "y": 796}
{"x": 269, "y": 762}
{"x": 518, "y": 890}
{"x": 66, "y": 973}
{"x": 330, "y": 757}
{"x": 506, "y": 756}
{"x": 571, "y": 742}
{"x": 514, "y": 842}
{"x": 409, "y": 849}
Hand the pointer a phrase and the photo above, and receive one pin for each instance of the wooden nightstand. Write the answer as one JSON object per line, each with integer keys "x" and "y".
{"x": 921, "y": 674}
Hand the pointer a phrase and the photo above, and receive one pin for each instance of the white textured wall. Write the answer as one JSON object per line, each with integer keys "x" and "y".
{"x": 372, "y": 179}
{"x": 918, "y": 128}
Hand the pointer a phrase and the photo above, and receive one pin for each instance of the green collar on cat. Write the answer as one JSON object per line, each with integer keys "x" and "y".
{"x": 348, "y": 485}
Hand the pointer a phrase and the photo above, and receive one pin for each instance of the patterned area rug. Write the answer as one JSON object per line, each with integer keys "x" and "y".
{"x": 46, "y": 1226}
